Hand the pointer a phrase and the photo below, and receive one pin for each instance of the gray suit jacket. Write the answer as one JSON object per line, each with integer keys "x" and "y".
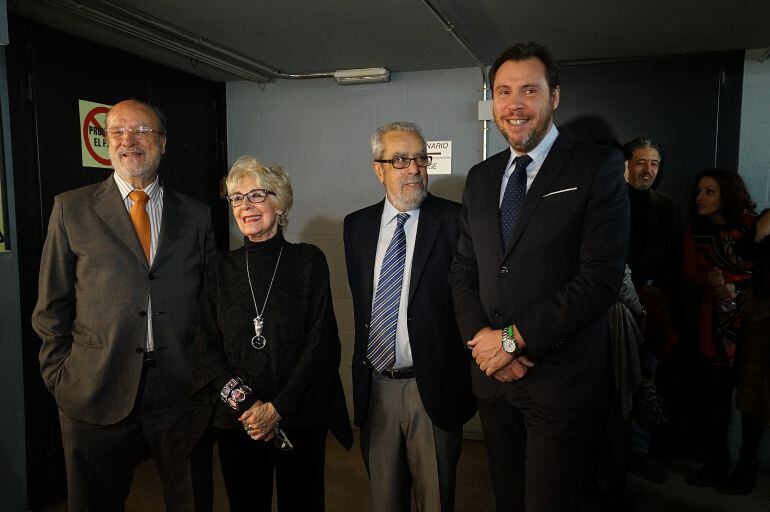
{"x": 92, "y": 300}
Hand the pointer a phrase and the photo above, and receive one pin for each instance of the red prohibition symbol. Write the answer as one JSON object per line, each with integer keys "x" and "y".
{"x": 91, "y": 119}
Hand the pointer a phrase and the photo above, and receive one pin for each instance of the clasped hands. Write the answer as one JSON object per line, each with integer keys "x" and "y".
{"x": 259, "y": 421}
{"x": 493, "y": 360}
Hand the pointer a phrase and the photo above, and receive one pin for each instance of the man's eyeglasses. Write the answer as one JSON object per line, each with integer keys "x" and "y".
{"x": 402, "y": 162}
{"x": 257, "y": 195}
{"x": 140, "y": 132}
{"x": 281, "y": 440}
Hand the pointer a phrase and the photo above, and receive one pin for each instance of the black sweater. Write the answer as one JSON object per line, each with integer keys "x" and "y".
{"x": 297, "y": 370}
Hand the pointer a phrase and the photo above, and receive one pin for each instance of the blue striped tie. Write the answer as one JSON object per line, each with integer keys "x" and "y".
{"x": 382, "y": 326}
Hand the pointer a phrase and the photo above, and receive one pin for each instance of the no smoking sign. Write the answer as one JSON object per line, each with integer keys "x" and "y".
{"x": 93, "y": 142}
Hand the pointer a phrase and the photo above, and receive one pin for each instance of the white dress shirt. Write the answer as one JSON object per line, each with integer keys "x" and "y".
{"x": 155, "y": 211}
{"x": 387, "y": 229}
{"x": 537, "y": 155}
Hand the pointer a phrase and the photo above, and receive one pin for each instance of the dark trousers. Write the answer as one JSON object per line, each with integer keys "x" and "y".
{"x": 540, "y": 458}
{"x": 612, "y": 464}
{"x": 100, "y": 459}
{"x": 714, "y": 402}
{"x": 248, "y": 467}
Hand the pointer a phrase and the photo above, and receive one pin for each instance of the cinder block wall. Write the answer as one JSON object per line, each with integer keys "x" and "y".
{"x": 755, "y": 128}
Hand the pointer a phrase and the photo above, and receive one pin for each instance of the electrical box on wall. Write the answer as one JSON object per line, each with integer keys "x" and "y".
{"x": 485, "y": 110}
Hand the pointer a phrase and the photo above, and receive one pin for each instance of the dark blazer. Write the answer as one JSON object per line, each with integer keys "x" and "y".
{"x": 559, "y": 275}
{"x": 656, "y": 248}
{"x": 441, "y": 362}
{"x": 92, "y": 300}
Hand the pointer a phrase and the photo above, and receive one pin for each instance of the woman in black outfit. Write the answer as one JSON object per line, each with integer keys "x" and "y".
{"x": 270, "y": 352}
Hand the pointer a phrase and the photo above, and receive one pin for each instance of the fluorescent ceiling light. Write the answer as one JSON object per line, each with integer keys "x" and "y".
{"x": 362, "y": 76}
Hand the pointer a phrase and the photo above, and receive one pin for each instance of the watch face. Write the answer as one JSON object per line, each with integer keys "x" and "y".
{"x": 510, "y": 346}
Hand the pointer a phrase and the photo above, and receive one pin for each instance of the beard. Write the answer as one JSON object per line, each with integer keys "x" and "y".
{"x": 410, "y": 198}
{"x": 147, "y": 169}
{"x": 528, "y": 141}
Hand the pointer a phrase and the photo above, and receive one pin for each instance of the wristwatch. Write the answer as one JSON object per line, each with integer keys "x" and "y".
{"x": 510, "y": 344}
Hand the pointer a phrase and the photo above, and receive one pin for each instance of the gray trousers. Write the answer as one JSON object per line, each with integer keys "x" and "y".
{"x": 402, "y": 448}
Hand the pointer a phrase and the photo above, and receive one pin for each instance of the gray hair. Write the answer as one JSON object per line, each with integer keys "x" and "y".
{"x": 272, "y": 178}
{"x": 398, "y": 126}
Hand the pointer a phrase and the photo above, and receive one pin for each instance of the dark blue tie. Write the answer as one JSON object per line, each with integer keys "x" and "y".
{"x": 382, "y": 326}
{"x": 515, "y": 190}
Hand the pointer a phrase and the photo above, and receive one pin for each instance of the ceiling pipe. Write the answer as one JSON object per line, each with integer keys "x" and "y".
{"x": 450, "y": 27}
{"x": 160, "y": 33}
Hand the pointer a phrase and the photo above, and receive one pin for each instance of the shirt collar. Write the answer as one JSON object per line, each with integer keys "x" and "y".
{"x": 152, "y": 190}
{"x": 389, "y": 213}
{"x": 540, "y": 152}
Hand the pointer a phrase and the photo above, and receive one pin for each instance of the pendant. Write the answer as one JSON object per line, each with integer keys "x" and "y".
{"x": 258, "y": 341}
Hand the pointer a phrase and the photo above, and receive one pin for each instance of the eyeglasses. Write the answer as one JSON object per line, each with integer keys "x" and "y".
{"x": 281, "y": 440}
{"x": 402, "y": 162}
{"x": 140, "y": 132}
{"x": 257, "y": 195}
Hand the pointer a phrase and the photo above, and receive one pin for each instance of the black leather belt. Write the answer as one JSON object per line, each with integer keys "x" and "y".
{"x": 398, "y": 373}
{"x": 149, "y": 359}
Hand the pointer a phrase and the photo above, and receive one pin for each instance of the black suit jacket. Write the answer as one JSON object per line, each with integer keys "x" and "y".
{"x": 441, "y": 363}
{"x": 559, "y": 275}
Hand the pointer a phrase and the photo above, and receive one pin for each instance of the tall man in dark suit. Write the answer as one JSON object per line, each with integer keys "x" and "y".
{"x": 540, "y": 258}
{"x": 117, "y": 310}
{"x": 411, "y": 373}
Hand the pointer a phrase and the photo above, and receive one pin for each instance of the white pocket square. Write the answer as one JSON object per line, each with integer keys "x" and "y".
{"x": 560, "y": 191}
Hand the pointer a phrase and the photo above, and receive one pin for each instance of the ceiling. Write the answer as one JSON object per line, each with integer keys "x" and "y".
{"x": 301, "y": 36}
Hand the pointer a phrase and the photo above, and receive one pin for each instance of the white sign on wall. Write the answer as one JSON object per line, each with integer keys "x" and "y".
{"x": 441, "y": 151}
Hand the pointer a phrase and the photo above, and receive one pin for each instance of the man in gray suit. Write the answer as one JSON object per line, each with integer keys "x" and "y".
{"x": 117, "y": 310}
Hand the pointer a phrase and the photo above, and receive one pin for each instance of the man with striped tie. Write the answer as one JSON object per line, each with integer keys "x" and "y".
{"x": 117, "y": 311}
{"x": 411, "y": 373}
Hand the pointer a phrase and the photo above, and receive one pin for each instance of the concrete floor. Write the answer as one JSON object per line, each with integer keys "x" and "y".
{"x": 346, "y": 487}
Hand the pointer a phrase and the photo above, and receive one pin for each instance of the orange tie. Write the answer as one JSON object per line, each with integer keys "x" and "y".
{"x": 141, "y": 219}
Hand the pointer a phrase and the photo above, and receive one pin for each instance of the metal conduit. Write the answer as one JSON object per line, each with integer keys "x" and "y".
{"x": 450, "y": 27}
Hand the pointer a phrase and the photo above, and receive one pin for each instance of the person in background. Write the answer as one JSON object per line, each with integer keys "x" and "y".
{"x": 268, "y": 352}
{"x": 117, "y": 310}
{"x": 717, "y": 266}
{"x": 654, "y": 256}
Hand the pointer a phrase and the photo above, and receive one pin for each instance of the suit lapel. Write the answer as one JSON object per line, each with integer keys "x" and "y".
{"x": 549, "y": 171}
{"x": 170, "y": 224}
{"x": 490, "y": 194}
{"x": 109, "y": 206}
{"x": 427, "y": 231}
{"x": 368, "y": 234}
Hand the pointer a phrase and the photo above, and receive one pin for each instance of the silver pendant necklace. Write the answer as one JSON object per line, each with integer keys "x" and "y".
{"x": 259, "y": 341}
